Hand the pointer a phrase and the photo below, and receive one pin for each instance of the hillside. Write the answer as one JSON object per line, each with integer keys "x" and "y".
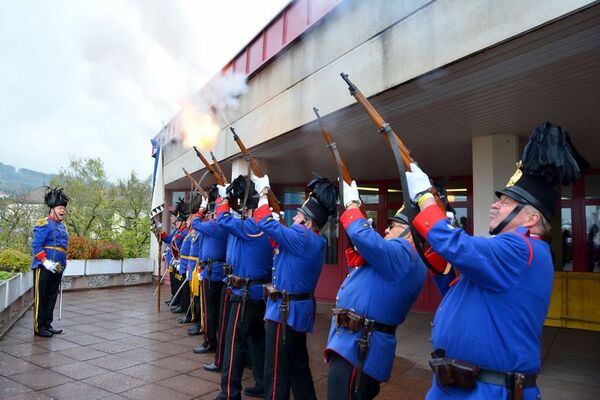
{"x": 14, "y": 181}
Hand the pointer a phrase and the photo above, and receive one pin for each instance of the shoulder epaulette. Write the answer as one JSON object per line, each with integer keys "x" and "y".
{"x": 42, "y": 222}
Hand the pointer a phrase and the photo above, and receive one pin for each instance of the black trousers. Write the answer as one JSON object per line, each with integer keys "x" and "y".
{"x": 46, "y": 286}
{"x": 287, "y": 364}
{"x": 196, "y": 315}
{"x": 212, "y": 303}
{"x": 184, "y": 298}
{"x": 341, "y": 381}
{"x": 224, "y": 309}
{"x": 176, "y": 280}
{"x": 242, "y": 334}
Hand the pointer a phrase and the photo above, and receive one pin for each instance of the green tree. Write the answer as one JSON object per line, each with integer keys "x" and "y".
{"x": 132, "y": 220}
{"x": 90, "y": 212}
{"x": 17, "y": 217}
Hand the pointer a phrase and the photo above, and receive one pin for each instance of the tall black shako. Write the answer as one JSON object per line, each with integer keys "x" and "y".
{"x": 549, "y": 159}
{"x": 54, "y": 197}
{"x": 322, "y": 201}
{"x": 237, "y": 190}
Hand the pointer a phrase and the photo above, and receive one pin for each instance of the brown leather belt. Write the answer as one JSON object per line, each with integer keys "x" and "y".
{"x": 450, "y": 372}
{"x": 237, "y": 282}
{"x": 274, "y": 294}
{"x": 355, "y": 322}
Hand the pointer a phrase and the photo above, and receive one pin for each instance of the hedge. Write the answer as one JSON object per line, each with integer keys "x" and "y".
{"x": 12, "y": 260}
{"x": 81, "y": 248}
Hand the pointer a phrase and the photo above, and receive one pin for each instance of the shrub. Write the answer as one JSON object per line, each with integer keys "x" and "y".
{"x": 6, "y": 275}
{"x": 79, "y": 248}
{"x": 12, "y": 260}
{"x": 109, "y": 250}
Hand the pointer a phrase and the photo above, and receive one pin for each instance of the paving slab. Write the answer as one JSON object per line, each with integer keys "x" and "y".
{"x": 117, "y": 346}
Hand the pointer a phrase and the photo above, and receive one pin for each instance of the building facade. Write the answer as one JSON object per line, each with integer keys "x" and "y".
{"x": 462, "y": 83}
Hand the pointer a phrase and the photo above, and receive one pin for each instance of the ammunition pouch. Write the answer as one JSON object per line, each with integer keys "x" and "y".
{"x": 465, "y": 375}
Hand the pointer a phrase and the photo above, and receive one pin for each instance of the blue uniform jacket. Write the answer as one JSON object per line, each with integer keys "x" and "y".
{"x": 252, "y": 257}
{"x": 188, "y": 260}
{"x": 384, "y": 288}
{"x": 297, "y": 266}
{"x": 493, "y": 316}
{"x": 214, "y": 247}
{"x": 167, "y": 239}
{"x": 50, "y": 240}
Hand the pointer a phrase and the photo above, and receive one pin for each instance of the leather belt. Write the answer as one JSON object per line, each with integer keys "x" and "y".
{"x": 274, "y": 294}
{"x": 57, "y": 248}
{"x": 355, "y": 322}
{"x": 506, "y": 378}
{"x": 237, "y": 283}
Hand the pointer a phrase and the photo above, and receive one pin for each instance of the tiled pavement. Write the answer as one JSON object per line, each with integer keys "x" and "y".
{"x": 116, "y": 346}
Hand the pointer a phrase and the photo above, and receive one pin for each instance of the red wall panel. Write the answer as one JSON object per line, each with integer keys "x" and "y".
{"x": 296, "y": 20}
{"x": 255, "y": 54}
{"x": 274, "y": 38}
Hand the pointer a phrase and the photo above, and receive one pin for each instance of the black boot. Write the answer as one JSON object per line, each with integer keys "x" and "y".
{"x": 204, "y": 348}
{"x": 54, "y": 331}
{"x": 254, "y": 391}
{"x": 194, "y": 330}
{"x": 212, "y": 367}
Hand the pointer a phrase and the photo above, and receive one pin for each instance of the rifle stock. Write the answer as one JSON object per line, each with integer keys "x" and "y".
{"x": 385, "y": 127}
{"x": 273, "y": 202}
{"x": 198, "y": 187}
{"x": 220, "y": 179}
{"x": 218, "y": 167}
{"x": 337, "y": 158}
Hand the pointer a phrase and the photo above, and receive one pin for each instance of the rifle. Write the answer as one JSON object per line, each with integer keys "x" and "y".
{"x": 273, "y": 202}
{"x": 221, "y": 180}
{"x": 403, "y": 160}
{"x": 218, "y": 167}
{"x": 337, "y": 159}
{"x": 198, "y": 188}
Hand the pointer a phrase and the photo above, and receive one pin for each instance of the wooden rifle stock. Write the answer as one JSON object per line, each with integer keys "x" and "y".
{"x": 198, "y": 188}
{"x": 273, "y": 202}
{"x": 385, "y": 127}
{"x": 218, "y": 167}
{"x": 221, "y": 180}
{"x": 330, "y": 143}
{"x": 335, "y": 155}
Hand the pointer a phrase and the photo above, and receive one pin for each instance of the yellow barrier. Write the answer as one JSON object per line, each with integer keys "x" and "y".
{"x": 575, "y": 301}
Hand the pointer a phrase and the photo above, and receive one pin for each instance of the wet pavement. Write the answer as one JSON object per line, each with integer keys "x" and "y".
{"x": 117, "y": 346}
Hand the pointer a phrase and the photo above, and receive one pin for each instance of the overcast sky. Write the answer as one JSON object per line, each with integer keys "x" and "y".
{"x": 99, "y": 78}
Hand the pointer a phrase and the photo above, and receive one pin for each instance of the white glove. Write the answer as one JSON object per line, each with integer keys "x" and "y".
{"x": 222, "y": 191}
{"x": 49, "y": 265}
{"x": 159, "y": 225}
{"x": 351, "y": 193}
{"x": 275, "y": 216}
{"x": 204, "y": 204}
{"x": 418, "y": 182}
{"x": 261, "y": 185}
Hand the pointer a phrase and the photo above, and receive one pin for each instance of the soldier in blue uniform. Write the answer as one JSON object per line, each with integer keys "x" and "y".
{"x": 49, "y": 247}
{"x": 213, "y": 255}
{"x": 167, "y": 254}
{"x": 372, "y": 301}
{"x": 487, "y": 329}
{"x": 182, "y": 213}
{"x": 290, "y": 298}
{"x": 252, "y": 260}
{"x": 190, "y": 249}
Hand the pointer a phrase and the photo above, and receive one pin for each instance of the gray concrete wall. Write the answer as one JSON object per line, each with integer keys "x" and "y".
{"x": 381, "y": 44}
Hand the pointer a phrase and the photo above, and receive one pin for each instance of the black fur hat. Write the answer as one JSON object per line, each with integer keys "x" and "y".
{"x": 213, "y": 194}
{"x": 322, "y": 201}
{"x": 55, "y": 197}
{"x": 195, "y": 201}
{"x": 182, "y": 210}
{"x": 549, "y": 159}
{"x": 237, "y": 190}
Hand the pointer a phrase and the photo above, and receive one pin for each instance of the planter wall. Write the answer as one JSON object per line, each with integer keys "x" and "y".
{"x": 16, "y": 296}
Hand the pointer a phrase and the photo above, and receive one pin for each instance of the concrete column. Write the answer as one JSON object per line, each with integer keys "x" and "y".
{"x": 239, "y": 167}
{"x": 494, "y": 162}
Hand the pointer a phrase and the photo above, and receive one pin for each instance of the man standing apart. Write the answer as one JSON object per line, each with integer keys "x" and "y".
{"x": 290, "y": 298}
{"x": 487, "y": 330}
{"x": 49, "y": 246}
{"x": 372, "y": 301}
